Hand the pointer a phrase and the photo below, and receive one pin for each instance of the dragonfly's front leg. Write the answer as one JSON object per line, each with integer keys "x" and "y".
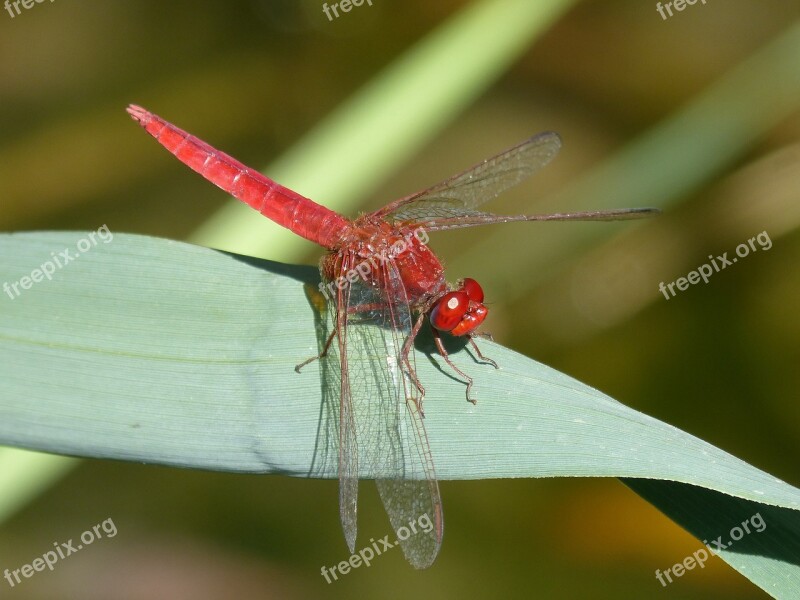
{"x": 478, "y": 350}
{"x": 405, "y": 353}
{"x": 437, "y": 338}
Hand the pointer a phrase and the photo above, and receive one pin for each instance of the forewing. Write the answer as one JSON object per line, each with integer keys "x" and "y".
{"x": 381, "y": 429}
{"x": 461, "y": 194}
{"x": 612, "y": 214}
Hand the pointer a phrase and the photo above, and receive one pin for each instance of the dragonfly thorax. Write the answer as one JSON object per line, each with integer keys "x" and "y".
{"x": 389, "y": 258}
{"x": 378, "y": 254}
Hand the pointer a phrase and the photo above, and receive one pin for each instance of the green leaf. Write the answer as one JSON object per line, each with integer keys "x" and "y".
{"x": 157, "y": 351}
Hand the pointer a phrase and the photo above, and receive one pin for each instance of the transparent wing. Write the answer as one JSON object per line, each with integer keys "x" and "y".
{"x": 462, "y": 193}
{"x": 381, "y": 432}
{"x": 348, "y": 443}
{"x": 612, "y": 214}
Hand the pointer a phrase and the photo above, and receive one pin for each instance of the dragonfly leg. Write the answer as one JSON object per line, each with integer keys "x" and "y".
{"x": 478, "y": 350}
{"x": 405, "y": 353}
{"x": 483, "y": 334}
{"x": 320, "y": 355}
{"x": 437, "y": 338}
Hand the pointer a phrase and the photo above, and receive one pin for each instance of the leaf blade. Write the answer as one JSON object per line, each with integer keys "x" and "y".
{"x": 162, "y": 352}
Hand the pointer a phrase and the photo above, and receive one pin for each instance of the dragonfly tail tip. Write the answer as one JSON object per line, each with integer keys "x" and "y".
{"x": 138, "y": 113}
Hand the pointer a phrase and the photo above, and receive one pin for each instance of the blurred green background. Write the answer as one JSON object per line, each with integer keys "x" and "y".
{"x": 253, "y": 78}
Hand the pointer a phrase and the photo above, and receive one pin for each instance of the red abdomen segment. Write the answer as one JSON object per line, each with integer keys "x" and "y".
{"x": 287, "y": 208}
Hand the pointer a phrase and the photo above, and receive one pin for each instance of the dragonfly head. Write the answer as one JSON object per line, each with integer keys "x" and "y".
{"x": 460, "y": 311}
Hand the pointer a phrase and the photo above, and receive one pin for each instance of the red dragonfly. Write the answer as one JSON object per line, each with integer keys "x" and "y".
{"x": 382, "y": 281}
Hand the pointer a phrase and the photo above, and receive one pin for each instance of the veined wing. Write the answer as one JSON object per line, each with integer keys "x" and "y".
{"x": 480, "y": 218}
{"x": 381, "y": 432}
{"x": 462, "y": 193}
{"x": 451, "y": 204}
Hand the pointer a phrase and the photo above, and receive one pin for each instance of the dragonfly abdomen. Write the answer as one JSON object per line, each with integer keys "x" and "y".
{"x": 284, "y": 206}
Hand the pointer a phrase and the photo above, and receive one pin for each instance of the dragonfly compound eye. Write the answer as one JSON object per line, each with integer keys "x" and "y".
{"x": 473, "y": 289}
{"x": 449, "y": 310}
{"x": 472, "y": 320}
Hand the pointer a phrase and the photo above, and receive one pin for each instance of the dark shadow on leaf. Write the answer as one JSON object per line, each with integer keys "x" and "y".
{"x": 455, "y": 347}
{"x": 713, "y": 517}
{"x": 325, "y": 458}
{"x": 303, "y": 273}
